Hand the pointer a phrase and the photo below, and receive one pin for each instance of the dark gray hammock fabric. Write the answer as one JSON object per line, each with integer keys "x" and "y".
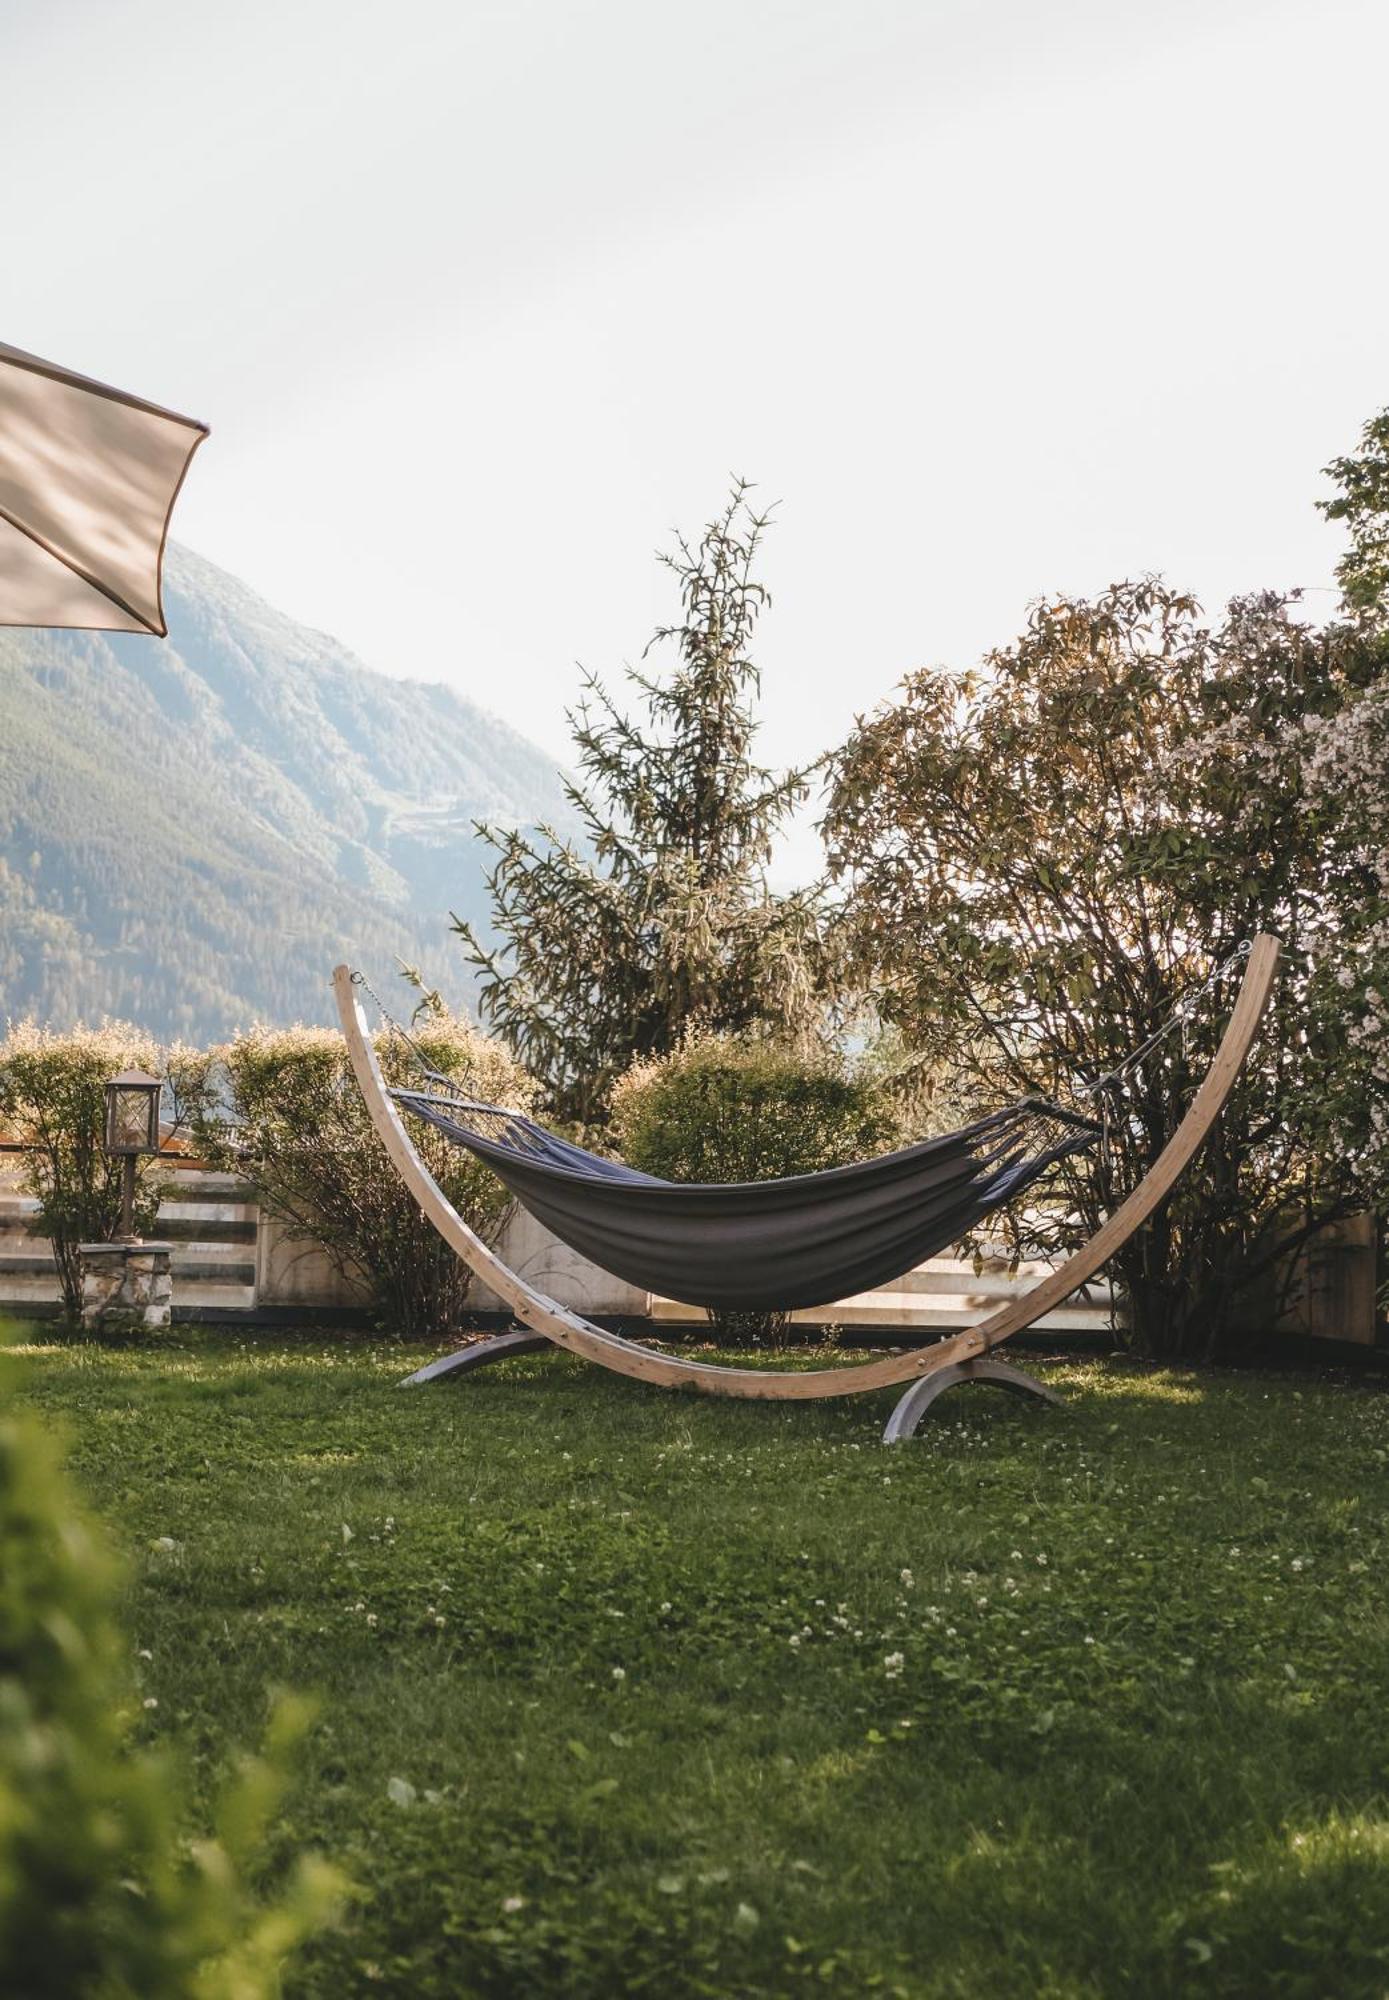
{"x": 764, "y": 1245}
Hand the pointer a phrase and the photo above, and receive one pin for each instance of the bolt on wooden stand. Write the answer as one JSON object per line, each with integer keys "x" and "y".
{"x": 127, "y": 1285}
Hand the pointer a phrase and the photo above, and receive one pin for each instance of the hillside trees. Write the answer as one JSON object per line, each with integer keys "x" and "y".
{"x": 666, "y": 921}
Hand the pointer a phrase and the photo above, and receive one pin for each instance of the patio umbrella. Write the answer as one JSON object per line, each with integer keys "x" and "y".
{"x": 88, "y": 480}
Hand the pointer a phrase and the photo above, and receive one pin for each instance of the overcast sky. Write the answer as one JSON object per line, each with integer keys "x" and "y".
{"x": 480, "y": 299}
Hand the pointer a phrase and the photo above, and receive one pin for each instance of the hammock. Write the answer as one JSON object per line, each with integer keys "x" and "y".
{"x": 927, "y": 1371}
{"x": 805, "y": 1240}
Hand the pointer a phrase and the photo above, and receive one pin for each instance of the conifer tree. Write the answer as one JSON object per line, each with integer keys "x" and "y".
{"x": 663, "y": 920}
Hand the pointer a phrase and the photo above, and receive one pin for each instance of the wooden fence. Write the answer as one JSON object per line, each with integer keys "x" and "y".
{"x": 212, "y": 1220}
{"x": 231, "y": 1261}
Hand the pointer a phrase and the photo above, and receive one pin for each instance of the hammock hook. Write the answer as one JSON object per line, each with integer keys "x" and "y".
{"x": 425, "y": 1069}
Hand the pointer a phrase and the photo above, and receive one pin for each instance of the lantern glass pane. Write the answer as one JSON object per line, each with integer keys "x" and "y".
{"x": 131, "y": 1120}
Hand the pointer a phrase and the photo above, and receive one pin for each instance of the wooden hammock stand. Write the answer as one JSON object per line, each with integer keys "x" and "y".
{"x": 962, "y": 1357}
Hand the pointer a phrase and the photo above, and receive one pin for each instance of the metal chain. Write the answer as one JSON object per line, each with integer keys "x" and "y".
{"x": 448, "y": 1085}
{"x": 434, "y": 1075}
{"x": 1178, "y": 1019}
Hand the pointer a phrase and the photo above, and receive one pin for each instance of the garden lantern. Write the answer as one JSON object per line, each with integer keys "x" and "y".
{"x": 132, "y": 1128}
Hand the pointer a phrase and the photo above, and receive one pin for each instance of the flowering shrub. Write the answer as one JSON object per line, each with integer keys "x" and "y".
{"x": 282, "y": 1107}
{"x": 1347, "y": 779}
{"x": 53, "y": 1100}
{"x": 97, "y": 1893}
{"x": 737, "y": 1108}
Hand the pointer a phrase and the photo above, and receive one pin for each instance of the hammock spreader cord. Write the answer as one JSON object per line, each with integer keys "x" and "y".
{"x": 360, "y": 979}
{"x": 498, "y": 1114}
{"x": 1179, "y": 1018}
{"x": 1049, "y": 1117}
{"x": 1103, "y": 1090}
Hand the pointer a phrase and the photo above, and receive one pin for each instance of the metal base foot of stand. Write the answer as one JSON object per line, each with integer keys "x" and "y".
{"x": 480, "y": 1354}
{"x": 919, "y": 1398}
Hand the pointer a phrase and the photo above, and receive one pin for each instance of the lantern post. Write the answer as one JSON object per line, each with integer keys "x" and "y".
{"x": 132, "y": 1129}
{"x": 127, "y": 1289}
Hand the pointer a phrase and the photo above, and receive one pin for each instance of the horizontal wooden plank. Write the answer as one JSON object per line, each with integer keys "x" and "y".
{"x": 961, "y": 1282}
{"x": 210, "y": 1270}
{"x": 19, "y": 1290}
{"x": 202, "y": 1183}
{"x": 202, "y": 1249}
{"x": 899, "y": 1309}
{"x": 175, "y": 1227}
{"x": 202, "y": 1209}
{"x": 191, "y": 1294}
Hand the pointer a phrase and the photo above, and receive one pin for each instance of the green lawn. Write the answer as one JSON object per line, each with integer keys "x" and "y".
{"x": 626, "y": 1692}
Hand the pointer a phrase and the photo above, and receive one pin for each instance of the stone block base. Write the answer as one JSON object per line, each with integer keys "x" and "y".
{"x": 127, "y": 1290}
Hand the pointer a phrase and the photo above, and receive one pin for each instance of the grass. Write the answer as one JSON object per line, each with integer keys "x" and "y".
{"x": 623, "y": 1692}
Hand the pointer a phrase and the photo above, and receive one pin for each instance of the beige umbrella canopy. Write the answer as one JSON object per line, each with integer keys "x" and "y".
{"x": 88, "y": 480}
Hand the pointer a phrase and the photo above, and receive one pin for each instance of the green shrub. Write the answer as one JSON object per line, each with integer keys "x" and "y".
{"x": 99, "y": 1895}
{"x": 282, "y": 1107}
{"x": 749, "y": 1108}
{"x": 53, "y": 1099}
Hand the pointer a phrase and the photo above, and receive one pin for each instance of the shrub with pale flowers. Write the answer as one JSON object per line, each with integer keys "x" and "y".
{"x": 52, "y": 1102}
{"x": 1347, "y": 779}
{"x": 282, "y": 1107}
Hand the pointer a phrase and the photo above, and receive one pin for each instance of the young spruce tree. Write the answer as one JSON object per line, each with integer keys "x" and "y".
{"x": 664, "y": 920}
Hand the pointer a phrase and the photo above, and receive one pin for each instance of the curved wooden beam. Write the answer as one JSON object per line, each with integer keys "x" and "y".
{"x": 628, "y": 1357}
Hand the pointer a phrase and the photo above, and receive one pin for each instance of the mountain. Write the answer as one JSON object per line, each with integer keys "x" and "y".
{"x": 194, "y": 831}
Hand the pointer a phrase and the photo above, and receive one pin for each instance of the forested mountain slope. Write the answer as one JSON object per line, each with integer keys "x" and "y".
{"x": 193, "y": 831}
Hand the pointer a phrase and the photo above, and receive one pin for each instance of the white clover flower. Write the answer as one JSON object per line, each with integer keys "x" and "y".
{"x": 619, "y": 1673}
